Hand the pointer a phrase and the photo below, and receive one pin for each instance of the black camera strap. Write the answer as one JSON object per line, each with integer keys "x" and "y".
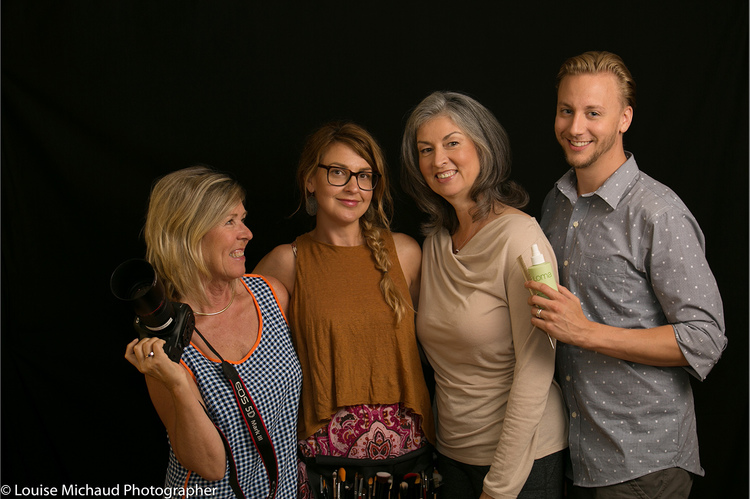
{"x": 255, "y": 426}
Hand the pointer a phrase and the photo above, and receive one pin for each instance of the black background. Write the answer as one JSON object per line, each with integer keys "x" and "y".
{"x": 100, "y": 98}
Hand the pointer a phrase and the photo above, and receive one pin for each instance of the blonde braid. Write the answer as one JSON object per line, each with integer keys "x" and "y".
{"x": 391, "y": 293}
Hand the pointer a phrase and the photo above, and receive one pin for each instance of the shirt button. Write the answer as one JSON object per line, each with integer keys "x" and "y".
{"x": 565, "y": 263}
{"x": 567, "y": 378}
{"x": 573, "y": 414}
{"x": 575, "y": 224}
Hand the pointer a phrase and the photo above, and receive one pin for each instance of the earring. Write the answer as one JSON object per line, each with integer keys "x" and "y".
{"x": 311, "y": 205}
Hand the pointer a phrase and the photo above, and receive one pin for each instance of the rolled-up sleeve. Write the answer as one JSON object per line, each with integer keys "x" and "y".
{"x": 686, "y": 289}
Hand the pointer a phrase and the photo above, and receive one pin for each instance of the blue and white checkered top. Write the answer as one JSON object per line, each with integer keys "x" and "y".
{"x": 273, "y": 377}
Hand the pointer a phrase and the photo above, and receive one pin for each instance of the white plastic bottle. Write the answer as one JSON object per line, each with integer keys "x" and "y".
{"x": 541, "y": 271}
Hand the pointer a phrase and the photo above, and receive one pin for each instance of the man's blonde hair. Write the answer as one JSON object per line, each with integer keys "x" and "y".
{"x": 601, "y": 62}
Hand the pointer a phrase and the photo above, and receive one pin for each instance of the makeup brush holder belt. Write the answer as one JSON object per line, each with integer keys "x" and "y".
{"x": 385, "y": 473}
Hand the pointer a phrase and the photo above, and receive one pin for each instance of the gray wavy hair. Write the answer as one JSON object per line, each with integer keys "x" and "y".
{"x": 492, "y": 186}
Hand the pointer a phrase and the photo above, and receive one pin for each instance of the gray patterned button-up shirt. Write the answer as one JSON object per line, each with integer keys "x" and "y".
{"x": 634, "y": 255}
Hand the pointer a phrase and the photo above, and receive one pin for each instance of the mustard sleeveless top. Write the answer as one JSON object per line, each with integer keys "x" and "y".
{"x": 350, "y": 348}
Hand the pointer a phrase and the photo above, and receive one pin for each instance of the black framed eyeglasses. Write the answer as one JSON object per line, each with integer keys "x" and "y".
{"x": 340, "y": 176}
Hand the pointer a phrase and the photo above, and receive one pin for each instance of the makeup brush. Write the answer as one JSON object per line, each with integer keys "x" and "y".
{"x": 342, "y": 483}
{"x": 381, "y": 484}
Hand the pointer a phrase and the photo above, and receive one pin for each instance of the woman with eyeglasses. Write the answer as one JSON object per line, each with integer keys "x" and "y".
{"x": 501, "y": 420}
{"x": 353, "y": 284}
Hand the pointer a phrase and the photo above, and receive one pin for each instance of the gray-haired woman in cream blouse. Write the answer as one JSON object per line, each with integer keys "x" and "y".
{"x": 500, "y": 414}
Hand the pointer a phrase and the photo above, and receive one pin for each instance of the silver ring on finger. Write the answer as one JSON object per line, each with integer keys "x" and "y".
{"x": 539, "y": 312}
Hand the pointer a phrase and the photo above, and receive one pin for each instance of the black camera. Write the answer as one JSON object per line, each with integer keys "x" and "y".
{"x": 136, "y": 281}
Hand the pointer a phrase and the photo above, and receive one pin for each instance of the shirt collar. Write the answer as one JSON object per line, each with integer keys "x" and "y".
{"x": 611, "y": 191}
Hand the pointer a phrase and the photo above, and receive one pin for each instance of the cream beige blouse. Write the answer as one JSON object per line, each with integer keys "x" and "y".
{"x": 497, "y": 402}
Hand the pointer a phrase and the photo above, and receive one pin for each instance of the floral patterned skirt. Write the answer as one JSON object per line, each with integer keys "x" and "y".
{"x": 376, "y": 432}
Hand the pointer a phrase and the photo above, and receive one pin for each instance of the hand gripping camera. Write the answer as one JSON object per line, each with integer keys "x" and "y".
{"x": 135, "y": 281}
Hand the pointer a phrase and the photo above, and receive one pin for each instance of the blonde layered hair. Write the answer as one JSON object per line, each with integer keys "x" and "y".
{"x": 377, "y": 217}
{"x": 183, "y": 206}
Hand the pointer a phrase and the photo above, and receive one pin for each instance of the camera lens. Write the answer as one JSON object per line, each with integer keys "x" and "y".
{"x": 139, "y": 290}
{"x": 136, "y": 281}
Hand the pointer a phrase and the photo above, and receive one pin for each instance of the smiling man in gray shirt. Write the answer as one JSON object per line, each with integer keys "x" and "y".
{"x": 638, "y": 311}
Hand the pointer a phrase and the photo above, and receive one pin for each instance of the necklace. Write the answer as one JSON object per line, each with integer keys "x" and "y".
{"x": 457, "y": 247}
{"x": 494, "y": 213}
{"x": 223, "y": 309}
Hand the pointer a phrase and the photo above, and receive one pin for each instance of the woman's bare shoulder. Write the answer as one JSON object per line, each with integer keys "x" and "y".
{"x": 279, "y": 263}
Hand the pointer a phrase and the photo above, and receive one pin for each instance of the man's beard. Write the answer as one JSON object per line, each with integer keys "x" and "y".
{"x": 604, "y": 147}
